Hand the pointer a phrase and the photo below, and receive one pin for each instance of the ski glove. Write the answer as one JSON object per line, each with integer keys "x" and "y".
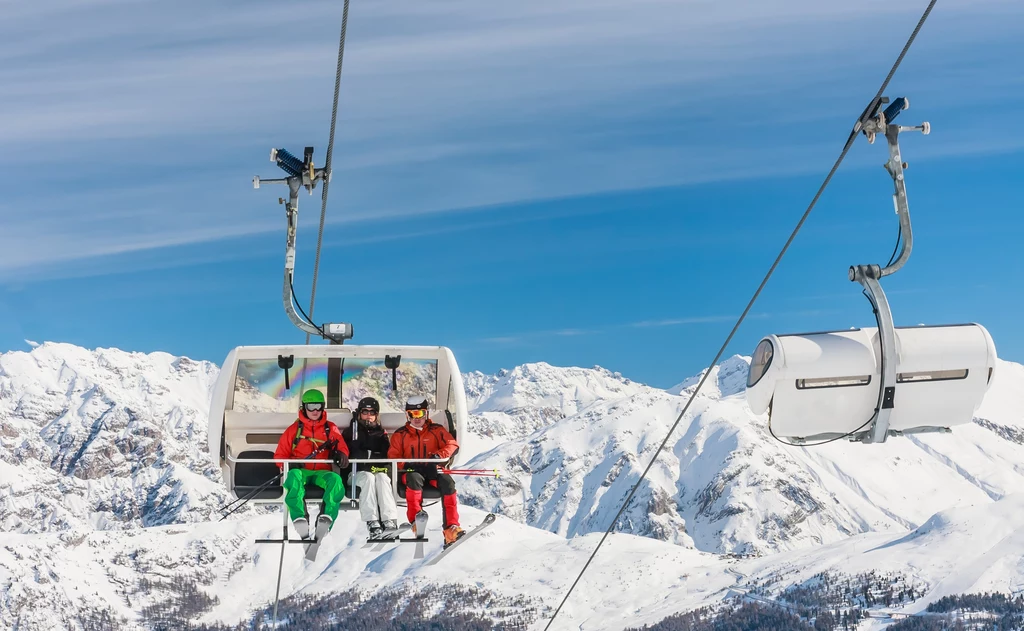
{"x": 340, "y": 459}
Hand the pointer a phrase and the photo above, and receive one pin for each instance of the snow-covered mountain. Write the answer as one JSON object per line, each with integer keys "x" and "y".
{"x": 95, "y": 444}
{"x": 724, "y": 485}
{"x": 103, "y": 438}
{"x": 515, "y": 403}
{"x": 212, "y": 573}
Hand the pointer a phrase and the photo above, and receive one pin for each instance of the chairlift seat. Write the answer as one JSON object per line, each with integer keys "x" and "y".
{"x": 249, "y": 476}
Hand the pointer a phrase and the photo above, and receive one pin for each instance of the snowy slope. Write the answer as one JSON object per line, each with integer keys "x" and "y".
{"x": 634, "y": 580}
{"x": 725, "y": 485}
{"x": 94, "y": 444}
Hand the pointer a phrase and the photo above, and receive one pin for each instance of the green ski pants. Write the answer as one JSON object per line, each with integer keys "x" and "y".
{"x": 295, "y": 487}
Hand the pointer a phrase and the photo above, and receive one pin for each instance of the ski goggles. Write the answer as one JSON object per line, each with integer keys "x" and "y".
{"x": 416, "y": 413}
{"x": 367, "y": 411}
{"x": 313, "y": 407}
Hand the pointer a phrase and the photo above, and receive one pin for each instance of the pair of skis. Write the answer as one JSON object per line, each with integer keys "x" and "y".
{"x": 378, "y": 543}
{"x": 322, "y": 528}
{"x": 394, "y": 536}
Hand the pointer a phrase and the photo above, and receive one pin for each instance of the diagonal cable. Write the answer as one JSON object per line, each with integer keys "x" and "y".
{"x": 753, "y": 299}
{"x": 327, "y": 161}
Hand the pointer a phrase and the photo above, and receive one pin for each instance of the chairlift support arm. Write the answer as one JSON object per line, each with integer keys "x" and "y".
{"x": 301, "y": 174}
{"x": 869, "y": 276}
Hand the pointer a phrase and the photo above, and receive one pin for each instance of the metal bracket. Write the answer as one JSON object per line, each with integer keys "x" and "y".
{"x": 301, "y": 174}
{"x": 869, "y": 276}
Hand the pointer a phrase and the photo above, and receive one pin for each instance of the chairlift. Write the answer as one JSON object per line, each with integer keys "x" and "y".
{"x": 868, "y": 384}
{"x": 256, "y": 397}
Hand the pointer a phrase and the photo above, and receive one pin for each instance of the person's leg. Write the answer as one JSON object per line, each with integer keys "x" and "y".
{"x": 449, "y": 501}
{"x": 367, "y": 496}
{"x": 334, "y": 491}
{"x": 295, "y": 493}
{"x": 413, "y": 494}
{"x": 385, "y": 497}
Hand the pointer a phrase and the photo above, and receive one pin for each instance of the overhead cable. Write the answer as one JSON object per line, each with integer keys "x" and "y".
{"x": 842, "y": 155}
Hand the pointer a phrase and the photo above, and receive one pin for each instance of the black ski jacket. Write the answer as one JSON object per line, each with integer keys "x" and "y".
{"x": 368, "y": 444}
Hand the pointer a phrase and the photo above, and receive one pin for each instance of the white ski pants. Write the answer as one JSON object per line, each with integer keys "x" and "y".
{"x": 375, "y": 495}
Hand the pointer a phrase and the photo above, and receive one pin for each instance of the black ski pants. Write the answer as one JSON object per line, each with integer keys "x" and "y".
{"x": 422, "y": 475}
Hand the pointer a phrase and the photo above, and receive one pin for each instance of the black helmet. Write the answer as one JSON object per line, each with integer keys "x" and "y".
{"x": 417, "y": 403}
{"x": 367, "y": 403}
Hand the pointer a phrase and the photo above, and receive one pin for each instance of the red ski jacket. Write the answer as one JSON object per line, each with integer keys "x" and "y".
{"x": 304, "y": 436}
{"x": 409, "y": 442}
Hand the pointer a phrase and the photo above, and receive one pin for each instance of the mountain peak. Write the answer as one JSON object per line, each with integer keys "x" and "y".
{"x": 726, "y": 379}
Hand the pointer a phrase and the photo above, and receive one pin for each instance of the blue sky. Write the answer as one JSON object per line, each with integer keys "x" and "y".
{"x": 577, "y": 182}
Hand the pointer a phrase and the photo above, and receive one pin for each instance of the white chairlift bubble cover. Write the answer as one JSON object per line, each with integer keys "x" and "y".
{"x": 822, "y": 383}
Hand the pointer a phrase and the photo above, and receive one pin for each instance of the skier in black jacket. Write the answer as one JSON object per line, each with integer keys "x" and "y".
{"x": 366, "y": 439}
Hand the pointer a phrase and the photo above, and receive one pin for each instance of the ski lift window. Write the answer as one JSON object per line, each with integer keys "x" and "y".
{"x": 832, "y": 382}
{"x": 760, "y": 362}
{"x": 260, "y": 386}
{"x": 933, "y": 375}
{"x": 371, "y": 378}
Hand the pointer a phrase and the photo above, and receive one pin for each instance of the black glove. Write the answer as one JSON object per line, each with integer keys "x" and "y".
{"x": 434, "y": 457}
{"x": 340, "y": 459}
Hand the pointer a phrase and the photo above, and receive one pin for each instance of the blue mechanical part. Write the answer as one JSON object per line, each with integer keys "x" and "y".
{"x": 289, "y": 163}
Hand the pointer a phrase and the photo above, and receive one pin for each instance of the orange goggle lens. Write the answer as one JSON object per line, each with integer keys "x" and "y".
{"x": 416, "y": 413}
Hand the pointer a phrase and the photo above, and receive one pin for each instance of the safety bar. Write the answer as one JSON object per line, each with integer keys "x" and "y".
{"x": 230, "y": 458}
{"x": 392, "y": 465}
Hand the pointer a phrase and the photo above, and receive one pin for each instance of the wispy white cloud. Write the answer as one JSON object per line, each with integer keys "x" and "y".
{"x": 527, "y": 337}
{"x": 451, "y": 105}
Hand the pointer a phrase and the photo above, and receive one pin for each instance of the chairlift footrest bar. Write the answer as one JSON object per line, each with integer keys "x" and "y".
{"x": 411, "y": 540}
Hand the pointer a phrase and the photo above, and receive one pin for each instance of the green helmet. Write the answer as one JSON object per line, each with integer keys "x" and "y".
{"x": 313, "y": 396}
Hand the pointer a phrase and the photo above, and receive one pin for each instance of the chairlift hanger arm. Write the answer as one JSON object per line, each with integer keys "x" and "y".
{"x": 301, "y": 174}
{"x": 870, "y": 275}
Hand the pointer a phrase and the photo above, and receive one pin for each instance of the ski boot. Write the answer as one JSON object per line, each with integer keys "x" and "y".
{"x": 452, "y": 534}
{"x": 375, "y": 529}
{"x": 323, "y": 526}
{"x": 301, "y": 526}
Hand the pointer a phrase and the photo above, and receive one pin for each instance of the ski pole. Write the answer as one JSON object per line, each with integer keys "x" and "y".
{"x": 454, "y": 471}
{"x": 248, "y": 497}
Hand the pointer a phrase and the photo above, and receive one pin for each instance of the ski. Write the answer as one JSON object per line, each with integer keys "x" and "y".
{"x": 312, "y": 549}
{"x": 421, "y": 533}
{"x": 322, "y": 528}
{"x": 484, "y": 524}
{"x": 421, "y": 524}
{"x": 388, "y": 536}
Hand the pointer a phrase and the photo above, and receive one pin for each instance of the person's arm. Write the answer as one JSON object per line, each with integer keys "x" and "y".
{"x": 340, "y": 452}
{"x": 334, "y": 434}
{"x": 395, "y": 448}
{"x": 448, "y": 444}
{"x": 378, "y": 443}
{"x": 284, "y": 445}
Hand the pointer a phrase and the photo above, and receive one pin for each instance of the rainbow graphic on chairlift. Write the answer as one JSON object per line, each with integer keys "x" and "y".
{"x": 361, "y": 377}
{"x": 268, "y": 377}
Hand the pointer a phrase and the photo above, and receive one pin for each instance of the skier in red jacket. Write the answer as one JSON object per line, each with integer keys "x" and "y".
{"x": 422, "y": 438}
{"x": 310, "y": 433}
